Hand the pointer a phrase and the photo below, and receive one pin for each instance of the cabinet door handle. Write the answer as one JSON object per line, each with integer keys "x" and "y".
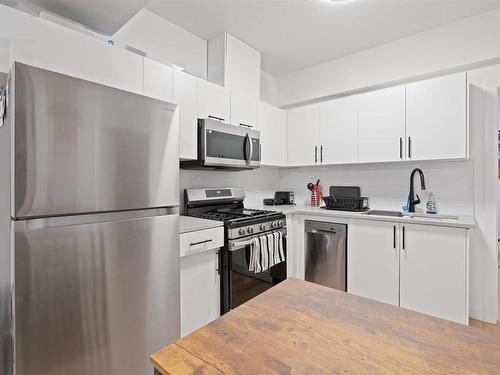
{"x": 321, "y": 154}
{"x": 216, "y": 118}
{"x": 401, "y": 147}
{"x": 409, "y": 147}
{"x": 394, "y": 237}
{"x": 404, "y": 235}
{"x": 246, "y": 125}
{"x": 315, "y": 154}
{"x": 200, "y": 242}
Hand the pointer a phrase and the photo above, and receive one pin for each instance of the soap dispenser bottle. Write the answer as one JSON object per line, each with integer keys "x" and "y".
{"x": 431, "y": 204}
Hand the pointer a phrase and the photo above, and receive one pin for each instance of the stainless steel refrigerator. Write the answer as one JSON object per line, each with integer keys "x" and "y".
{"x": 89, "y": 227}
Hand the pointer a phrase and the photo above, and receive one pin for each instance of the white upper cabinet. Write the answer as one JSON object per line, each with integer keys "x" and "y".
{"x": 436, "y": 118}
{"x": 271, "y": 122}
{"x": 303, "y": 135}
{"x": 434, "y": 271}
{"x": 338, "y": 131}
{"x": 234, "y": 65}
{"x": 373, "y": 260}
{"x": 214, "y": 101}
{"x": 382, "y": 125}
{"x": 185, "y": 88}
{"x": 242, "y": 67}
{"x": 82, "y": 57}
{"x": 158, "y": 80}
{"x": 243, "y": 109}
{"x": 117, "y": 67}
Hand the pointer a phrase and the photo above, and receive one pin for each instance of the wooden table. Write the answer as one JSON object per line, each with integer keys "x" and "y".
{"x": 302, "y": 328}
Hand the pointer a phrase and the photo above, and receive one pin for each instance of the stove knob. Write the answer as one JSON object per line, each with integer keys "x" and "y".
{"x": 262, "y": 227}
{"x": 274, "y": 224}
{"x": 241, "y": 231}
{"x": 280, "y": 223}
{"x": 250, "y": 230}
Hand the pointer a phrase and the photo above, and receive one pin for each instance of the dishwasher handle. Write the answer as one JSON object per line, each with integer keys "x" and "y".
{"x": 322, "y": 231}
{"x": 325, "y": 228}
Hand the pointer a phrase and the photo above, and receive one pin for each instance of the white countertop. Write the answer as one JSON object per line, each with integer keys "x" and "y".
{"x": 463, "y": 221}
{"x": 191, "y": 224}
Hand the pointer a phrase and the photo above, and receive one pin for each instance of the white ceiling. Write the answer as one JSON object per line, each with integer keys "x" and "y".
{"x": 104, "y": 16}
{"x": 291, "y": 34}
{"x": 295, "y": 34}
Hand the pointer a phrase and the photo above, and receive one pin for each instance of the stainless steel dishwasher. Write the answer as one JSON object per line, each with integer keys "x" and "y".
{"x": 326, "y": 254}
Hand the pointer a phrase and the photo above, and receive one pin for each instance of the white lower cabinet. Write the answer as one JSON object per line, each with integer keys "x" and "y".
{"x": 373, "y": 260}
{"x": 419, "y": 267}
{"x": 200, "y": 290}
{"x": 200, "y": 279}
{"x": 434, "y": 271}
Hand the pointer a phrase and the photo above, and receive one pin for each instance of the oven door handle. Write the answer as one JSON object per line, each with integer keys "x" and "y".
{"x": 242, "y": 244}
{"x": 238, "y": 245}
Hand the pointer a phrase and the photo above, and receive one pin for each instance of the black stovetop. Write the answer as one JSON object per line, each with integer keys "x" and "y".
{"x": 238, "y": 215}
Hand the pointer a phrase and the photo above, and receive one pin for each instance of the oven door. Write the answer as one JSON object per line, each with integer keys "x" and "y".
{"x": 242, "y": 284}
{"x": 223, "y": 145}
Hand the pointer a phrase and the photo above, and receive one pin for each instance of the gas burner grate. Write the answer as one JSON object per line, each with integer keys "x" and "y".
{"x": 236, "y": 215}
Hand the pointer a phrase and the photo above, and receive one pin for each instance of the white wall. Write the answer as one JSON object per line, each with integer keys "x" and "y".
{"x": 165, "y": 42}
{"x": 461, "y": 43}
{"x": 483, "y": 120}
{"x": 268, "y": 88}
{"x": 498, "y": 187}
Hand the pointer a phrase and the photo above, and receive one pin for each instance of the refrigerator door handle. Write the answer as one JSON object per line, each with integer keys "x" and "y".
{"x": 3, "y": 106}
{"x": 61, "y": 221}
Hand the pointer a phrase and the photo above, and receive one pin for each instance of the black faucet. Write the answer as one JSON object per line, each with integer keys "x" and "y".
{"x": 411, "y": 199}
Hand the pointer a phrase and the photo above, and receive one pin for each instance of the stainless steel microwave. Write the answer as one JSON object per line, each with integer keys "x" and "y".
{"x": 226, "y": 147}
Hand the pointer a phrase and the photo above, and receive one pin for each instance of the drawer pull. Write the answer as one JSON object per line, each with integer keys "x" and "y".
{"x": 200, "y": 242}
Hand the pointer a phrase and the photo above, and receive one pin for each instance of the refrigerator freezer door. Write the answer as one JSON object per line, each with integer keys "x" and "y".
{"x": 82, "y": 147}
{"x": 95, "y": 298}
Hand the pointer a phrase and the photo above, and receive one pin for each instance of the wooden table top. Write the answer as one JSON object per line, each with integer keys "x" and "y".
{"x": 303, "y": 328}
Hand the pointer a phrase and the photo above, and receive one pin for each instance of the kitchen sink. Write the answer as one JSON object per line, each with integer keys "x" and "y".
{"x": 413, "y": 215}
{"x": 432, "y": 216}
{"x": 385, "y": 213}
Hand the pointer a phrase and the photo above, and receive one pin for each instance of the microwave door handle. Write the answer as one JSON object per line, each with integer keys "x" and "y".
{"x": 248, "y": 148}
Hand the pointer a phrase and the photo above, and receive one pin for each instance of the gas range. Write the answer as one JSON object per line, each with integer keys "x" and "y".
{"x": 243, "y": 228}
{"x": 227, "y": 205}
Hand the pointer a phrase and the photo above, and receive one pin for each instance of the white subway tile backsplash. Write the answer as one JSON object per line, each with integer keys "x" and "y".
{"x": 258, "y": 183}
{"x": 386, "y": 184}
